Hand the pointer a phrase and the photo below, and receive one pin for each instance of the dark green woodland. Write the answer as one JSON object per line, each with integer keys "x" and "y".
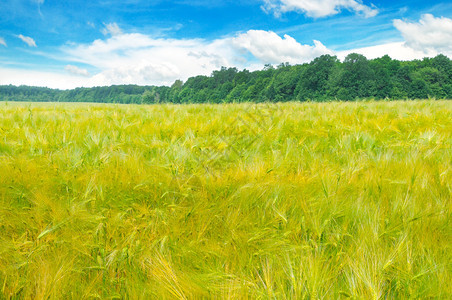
{"x": 325, "y": 78}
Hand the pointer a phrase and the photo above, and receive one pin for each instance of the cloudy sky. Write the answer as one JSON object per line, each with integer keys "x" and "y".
{"x": 72, "y": 43}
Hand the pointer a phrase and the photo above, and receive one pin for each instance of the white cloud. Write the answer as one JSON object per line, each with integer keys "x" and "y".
{"x": 430, "y": 35}
{"x": 427, "y": 38}
{"x": 133, "y": 58}
{"x": 112, "y": 29}
{"x": 41, "y": 78}
{"x": 2, "y": 42}
{"x": 140, "y": 59}
{"x": 27, "y": 40}
{"x": 76, "y": 70}
{"x": 397, "y": 50}
{"x": 318, "y": 8}
{"x": 269, "y": 47}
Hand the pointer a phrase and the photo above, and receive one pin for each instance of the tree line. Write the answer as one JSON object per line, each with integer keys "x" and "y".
{"x": 325, "y": 78}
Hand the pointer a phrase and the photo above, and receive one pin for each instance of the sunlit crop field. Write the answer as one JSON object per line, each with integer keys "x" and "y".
{"x": 286, "y": 201}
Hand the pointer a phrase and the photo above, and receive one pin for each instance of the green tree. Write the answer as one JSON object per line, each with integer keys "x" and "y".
{"x": 384, "y": 69}
{"x": 357, "y": 76}
{"x": 313, "y": 83}
{"x": 150, "y": 96}
{"x": 419, "y": 89}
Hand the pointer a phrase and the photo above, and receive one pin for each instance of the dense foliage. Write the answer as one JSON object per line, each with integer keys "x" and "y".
{"x": 324, "y": 78}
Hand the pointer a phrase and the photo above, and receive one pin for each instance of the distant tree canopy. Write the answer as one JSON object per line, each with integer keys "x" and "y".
{"x": 324, "y": 78}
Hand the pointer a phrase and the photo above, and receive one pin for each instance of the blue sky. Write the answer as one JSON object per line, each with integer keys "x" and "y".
{"x": 66, "y": 44}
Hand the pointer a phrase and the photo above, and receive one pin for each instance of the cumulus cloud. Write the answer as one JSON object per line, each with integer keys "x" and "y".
{"x": 397, "y": 50}
{"x": 269, "y": 47}
{"x": 27, "y": 40}
{"x": 41, "y": 78}
{"x": 76, "y": 70}
{"x": 112, "y": 29}
{"x": 427, "y": 38}
{"x": 2, "y": 42}
{"x": 140, "y": 59}
{"x": 318, "y": 8}
{"x": 430, "y": 35}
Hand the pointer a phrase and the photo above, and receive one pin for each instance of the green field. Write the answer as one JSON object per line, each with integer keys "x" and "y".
{"x": 286, "y": 201}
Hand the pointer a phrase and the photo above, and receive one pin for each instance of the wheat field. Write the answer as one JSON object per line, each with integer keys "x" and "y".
{"x": 257, "y": 201}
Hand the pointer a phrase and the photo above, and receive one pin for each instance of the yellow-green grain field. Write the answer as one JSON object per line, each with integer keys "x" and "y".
{"x": 236, "y": 201}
